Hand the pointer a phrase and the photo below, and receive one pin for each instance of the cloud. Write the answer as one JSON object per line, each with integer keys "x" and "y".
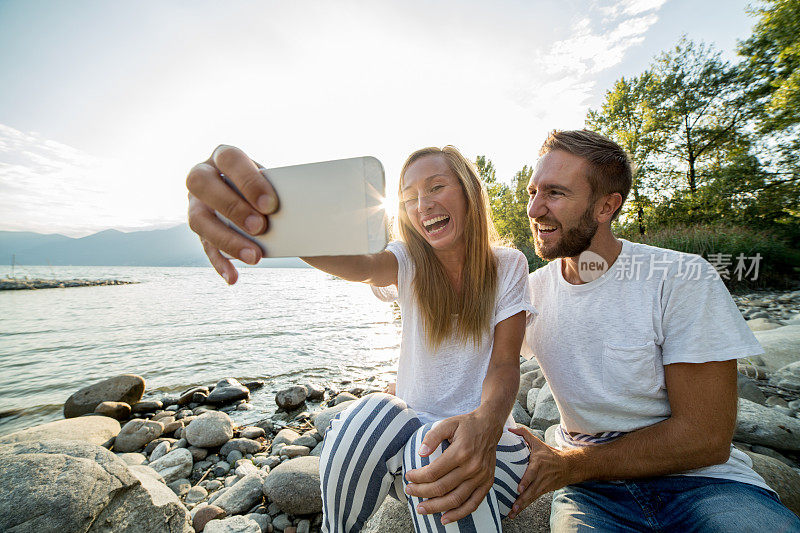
{"x": 50, "y": 187}
{"x": 598, "y": 42}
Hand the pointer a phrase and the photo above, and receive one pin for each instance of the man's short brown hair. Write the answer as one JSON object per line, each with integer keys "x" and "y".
{"x": 609, "y": 166}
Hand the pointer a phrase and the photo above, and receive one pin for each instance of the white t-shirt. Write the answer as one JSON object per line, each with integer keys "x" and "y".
{"x": 448, "y": 382}
{"x": 602, "y": 346}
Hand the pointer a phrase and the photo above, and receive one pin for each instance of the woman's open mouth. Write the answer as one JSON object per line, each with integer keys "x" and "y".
{"x": 436, "y": 225}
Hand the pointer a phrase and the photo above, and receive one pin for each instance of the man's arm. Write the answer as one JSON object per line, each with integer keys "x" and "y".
{"x": 458, "y": 480}
{"x": 703, "y": 401}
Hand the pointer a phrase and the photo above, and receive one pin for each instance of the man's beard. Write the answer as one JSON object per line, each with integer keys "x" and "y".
{"x": 573, "y": 242}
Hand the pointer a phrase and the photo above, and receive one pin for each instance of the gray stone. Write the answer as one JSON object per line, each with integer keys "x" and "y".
{"x": 132, "y": 459}
{"x": 266, "y": 424}
{"x": 285, "y": 436}
{"x": 221, "y": 468}
{"x": 546, "y": 412}
{"x": 304, "y": 526}
{"x": 762, "y": 324}
{"x": 160, "y": 451}
{"x": 769, "y": 452}
{"x": 242, "y": 496}
{"x": 394, "y": 517}
{"x": 99, "y": 430}
{"x": 144, "y": 470}
{"x": 153, "y": 444}
{"x": 252, "y": 432}
{"x": 294, "y": 486}
{"x": 530, "y": 401}
{"x": 66, "y": 486}
{"x": 136, "y": 434}
{"x": 525, "y": 383}
{"x": 196, "y": 494}
{"x": 209, "y": 430}
{"x": 244, "y": 446}
{"x": 772, "y": 401}
{"x": 292, "y": 450}
{"x": 244, "y": 468}
{"x": 315, "y": 392}
{"x": 344, "y": 397}
{"x": 262, "y": 519}
{"x": 758, "y": 315}
{"x": 323, "y": 418}
{"x": 281, "y": 522}
{"x": 148, "y": 406}
{"x": 198, "y": 454}
{"x": 305, "y": 440}
{"x": 233, "y": 524}
{"x": 181, "y": 487}
{"x": 781, "y": 346}
{"x": 781, "y": 478}
{"x": 520, "y": 415}
{"x": 186, "y": 397}
{"x": 528, "y": 366}
{"x": 749, "y": 390}
{"x": 549, "y": 436}
{"x": 115, "y": 410}
{"x": 757, "y": 424}
{"x": 226, "y": 391}
{"x": 233, "y": 456}
{"x": 126, "y": 388}
{"x": 291, "y": 397}
{"x": 174, "y": 465}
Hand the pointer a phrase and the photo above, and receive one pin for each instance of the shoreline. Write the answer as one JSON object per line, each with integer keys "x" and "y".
{"x": 13, "y": 284}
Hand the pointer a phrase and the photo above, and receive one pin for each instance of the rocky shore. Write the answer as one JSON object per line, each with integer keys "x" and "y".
{"x": 16, "y": 284}
{"x": 123, "y": 460}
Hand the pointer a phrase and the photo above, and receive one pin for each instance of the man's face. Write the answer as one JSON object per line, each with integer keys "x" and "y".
{"x": 560, "y": 207}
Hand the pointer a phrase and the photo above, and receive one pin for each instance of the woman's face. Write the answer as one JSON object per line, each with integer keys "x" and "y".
{"x": 435, "y": 202}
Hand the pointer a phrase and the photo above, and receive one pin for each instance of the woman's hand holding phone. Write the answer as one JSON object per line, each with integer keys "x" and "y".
{"x": 208, "y": 193}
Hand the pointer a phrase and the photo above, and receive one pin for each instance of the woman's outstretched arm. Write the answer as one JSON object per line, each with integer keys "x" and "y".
{"x": 376, "y": 269}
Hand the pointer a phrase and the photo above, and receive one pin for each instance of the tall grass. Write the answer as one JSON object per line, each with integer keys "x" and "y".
{"x": 780, "y": 261}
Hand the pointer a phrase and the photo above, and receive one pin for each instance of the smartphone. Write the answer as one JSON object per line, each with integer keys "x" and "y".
{"x": 327, "y": 208}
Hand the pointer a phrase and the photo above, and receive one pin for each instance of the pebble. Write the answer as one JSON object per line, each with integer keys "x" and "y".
{"x": 226, "y": 391}
{"x": 221, "y": 468}
{"x": 295, "y": 486}
{"x": 116, "y": 410}
{"x": 281, "y": 522}
{"x": 174, "y": 465}
{"x": 315, "y": 392}
{"x": 252, "y": 432}
{"x": 291, "y": 451}
{"x": 285, "y": 436}
{"x": 198, "y": 454}
{"x": 291, "y": 397}
{"x": 242, "y": 496}
{"x": 304, "y": 526}
{"x": 160, "y": 451}
{"x": 205, "y": 514}
{"x": 233, "y": 456}
{"x": 233, "y": 524}
{"x": 196, "y": 494}
{"x": 180, "y": 486}
{"x": 344, "y": 397}
{"x": 244, "y": 446}
{"x": 306, "y": 440}
{"x": 147, "y": 406}
{"x": 136, "y": 434}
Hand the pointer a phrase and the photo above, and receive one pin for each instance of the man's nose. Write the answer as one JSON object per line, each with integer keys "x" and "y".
{"x": 536, "y": 207}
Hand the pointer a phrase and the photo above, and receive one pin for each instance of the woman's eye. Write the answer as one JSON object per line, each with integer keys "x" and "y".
{"x": 436, "y": 188}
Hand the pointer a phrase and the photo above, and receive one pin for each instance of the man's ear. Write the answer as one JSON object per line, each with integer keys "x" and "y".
{"x": 607, "y": 206}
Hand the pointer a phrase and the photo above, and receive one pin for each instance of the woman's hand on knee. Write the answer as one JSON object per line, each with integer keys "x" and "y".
{"x": 456, "y": 482}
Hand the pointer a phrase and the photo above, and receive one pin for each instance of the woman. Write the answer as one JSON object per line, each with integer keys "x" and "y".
{"x": 464, "y": 305}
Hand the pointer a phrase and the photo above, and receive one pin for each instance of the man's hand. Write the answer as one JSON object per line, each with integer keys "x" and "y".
{"x": 547, "y": 470}
{"x": 457, "y": 481}
{"x": 208, "y": 193}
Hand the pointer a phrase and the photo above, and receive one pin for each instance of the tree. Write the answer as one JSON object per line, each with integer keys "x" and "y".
{"x": 627, "y": 118}
{"x": 698, "y": 104}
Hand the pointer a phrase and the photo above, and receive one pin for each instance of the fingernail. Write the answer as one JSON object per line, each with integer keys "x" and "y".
{"x": 253, "y": 224}
{"x": 248, "y": 255}
{"x": 515, "y": 509}
{"x": 266, "y": 204}
{"x": 420, "y": 509}
{"x": 445, "y": 521}
{"x": 227, "y": 277}
{"x": 423, "y": 450}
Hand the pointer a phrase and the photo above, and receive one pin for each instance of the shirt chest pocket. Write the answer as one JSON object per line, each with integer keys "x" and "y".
{"x": 632, "y": 370}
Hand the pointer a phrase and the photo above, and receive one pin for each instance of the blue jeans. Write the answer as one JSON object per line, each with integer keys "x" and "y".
{"x": 672, "y": 503}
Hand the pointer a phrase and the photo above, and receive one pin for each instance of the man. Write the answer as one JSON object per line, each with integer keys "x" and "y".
{"x": 639, "y": 347}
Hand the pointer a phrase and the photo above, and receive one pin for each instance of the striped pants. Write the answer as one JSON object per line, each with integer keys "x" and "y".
{"x": 367, "y": 450}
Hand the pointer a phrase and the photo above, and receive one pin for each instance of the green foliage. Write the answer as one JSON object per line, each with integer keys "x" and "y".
{"x": 778, "y": 264}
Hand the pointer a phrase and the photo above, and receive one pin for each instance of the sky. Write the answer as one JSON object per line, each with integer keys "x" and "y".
{"x": 105, "y": 106}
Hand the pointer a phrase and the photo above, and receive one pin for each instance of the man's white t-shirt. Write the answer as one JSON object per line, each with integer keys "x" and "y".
{"x": 602, "y": 345}
{"x": 448, "y": 381}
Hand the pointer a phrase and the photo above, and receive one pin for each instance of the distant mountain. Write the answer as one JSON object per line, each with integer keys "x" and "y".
{"x": 177, "y": 246}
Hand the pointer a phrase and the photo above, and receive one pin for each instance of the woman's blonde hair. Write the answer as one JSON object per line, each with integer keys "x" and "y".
{"x": 435, "y": 295}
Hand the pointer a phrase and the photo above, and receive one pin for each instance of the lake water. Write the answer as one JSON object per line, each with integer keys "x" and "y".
{"x": 181, "y": 327}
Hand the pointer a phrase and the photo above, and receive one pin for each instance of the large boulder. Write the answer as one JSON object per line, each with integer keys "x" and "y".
{"x": 294, "y": 486}
{"x": 137, "y": 434}
{"x": 394, "y": 517}
{"x": 211, "y": 429}
{"x": 126, "y": 388}
{"x": 758, "y": 424}
{"x": 99, "y": 430}
{"x": 781, "y": 478}
{"x": 228, "y": 390}
{"x": 781, "y": 346}
{"x": 244, "y": 495}
{"x": 65, "y": 486}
